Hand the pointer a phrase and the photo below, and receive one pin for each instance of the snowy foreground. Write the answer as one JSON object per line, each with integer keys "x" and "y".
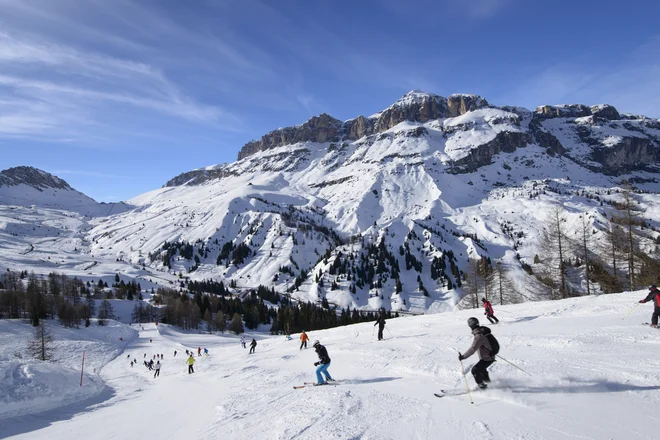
{"x": 595, "y": 376}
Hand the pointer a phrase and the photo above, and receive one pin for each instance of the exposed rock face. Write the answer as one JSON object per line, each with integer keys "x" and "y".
{"x": 197, "y": 177}
{"x": 505, "y": 141}
{"x": 322, "y": 128}
{"x": 629, "y": 154}
{"x": 562, "y": 111}
{"x": 605, "y": 111}
{"x": 359, "y": 127}
{"x": 33, "y": 177}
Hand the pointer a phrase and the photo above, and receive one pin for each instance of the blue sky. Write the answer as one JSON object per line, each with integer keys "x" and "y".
{"x": 116, "y": 97}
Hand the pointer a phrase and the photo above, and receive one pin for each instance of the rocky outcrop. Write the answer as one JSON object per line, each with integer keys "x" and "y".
{"x": 359, "y": 127}
{"x": 629, "y": 154}
{"x": 504, "y": 142}
{"x": 322, "y": 128}
{"x": 562, "y": 111}
{"x": 605, "y": 111}
{"x": 33, "y": 177}
{"x": 545, "y": 139}
{"x": 197, "y": 177}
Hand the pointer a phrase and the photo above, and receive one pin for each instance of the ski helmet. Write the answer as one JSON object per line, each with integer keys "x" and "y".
{"x": 473, "y": 323}
{"x": 483, "y": 299}
{"x": 652, "y": 287}
{"x": 316, "y": 343}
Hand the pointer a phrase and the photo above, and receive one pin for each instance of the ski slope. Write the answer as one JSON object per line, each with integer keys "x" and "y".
{"x": 595, "y": 376}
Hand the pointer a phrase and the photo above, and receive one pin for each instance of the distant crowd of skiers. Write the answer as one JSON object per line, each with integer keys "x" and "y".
{"x": 484, "y": 344}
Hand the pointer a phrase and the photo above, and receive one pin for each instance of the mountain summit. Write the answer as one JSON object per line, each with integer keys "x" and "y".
{"x": 33, "y": 177}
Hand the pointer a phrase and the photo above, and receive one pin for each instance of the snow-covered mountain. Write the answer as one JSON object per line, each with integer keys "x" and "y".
{"x": 387, "y": 210}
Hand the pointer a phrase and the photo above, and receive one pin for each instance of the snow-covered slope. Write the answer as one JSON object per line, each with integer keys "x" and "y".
{"x": 29, "y": 386}
{"x": 593, "y": 375}
{"x": 425, "y": 185}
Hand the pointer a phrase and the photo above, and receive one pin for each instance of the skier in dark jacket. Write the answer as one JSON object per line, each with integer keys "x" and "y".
{"x": 381, "y": 325}
{"x": 480, "y": 345}
{"x": 322, "y": 365}
{"x": 654, "y": 295}
{"x": 253, "y": 345}
{"x": 490, "y": 314}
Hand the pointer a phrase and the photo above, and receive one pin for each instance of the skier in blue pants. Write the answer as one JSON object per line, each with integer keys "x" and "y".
{"x": 322, "y": 365}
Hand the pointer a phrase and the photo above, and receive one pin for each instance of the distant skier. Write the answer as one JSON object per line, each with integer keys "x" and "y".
{"x": 174, "y": 353}
{"x": 190, "y": 362}
{"x": 150, "y": 340}
{"x": 206, "y": 351}
{"x": 253, "y": 345}
{"x": 490, "y": 314}
{"x": 157, "y": 373}
{"x": 145, "y": 355}
{"x": 243, "y": 341}
{"x": 187, "y": 353}
{"x": 303, "y": 339}
{"x": 199, "y": 351}
{"x": 481, "y": 345}
{"x": 131, "y": 364}
{"x": 128, "y": 356}
{"x": 654, "y": 295}
{"x": 162, "y": 356}
{"x": 322, "y": 365}
{"x": 381, "y": 325}
{"x": 151, "y": 364}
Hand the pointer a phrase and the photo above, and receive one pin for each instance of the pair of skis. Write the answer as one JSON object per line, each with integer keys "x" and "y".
{"x": 314, "y": 384}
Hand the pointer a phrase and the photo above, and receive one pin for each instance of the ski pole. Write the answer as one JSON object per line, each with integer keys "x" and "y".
{"x": 388, "y": 331}
{"x": 631, "y": 310}
{"x": 511, "y": 363}
{"x": 467, "y": 387}
{"x": 373, "y": 332}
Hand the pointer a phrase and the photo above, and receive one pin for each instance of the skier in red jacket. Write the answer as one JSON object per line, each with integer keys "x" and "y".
{"x": 654, "y": 295}
{"x": 489, "y": 311}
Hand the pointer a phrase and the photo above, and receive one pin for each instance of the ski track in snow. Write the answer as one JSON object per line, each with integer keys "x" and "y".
{"x": 595, "y": 376}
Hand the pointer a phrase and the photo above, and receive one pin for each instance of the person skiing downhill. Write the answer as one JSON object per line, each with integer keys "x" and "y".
{"x": 480, "y": 345}
{"x": 243, "y": 341}
{"x": 654, "y": 295}
{"x": 253, "y": 345}
{"x": 206, "y": 351}
{"x": 303, "y": 340}
{"x": 190, "y": 362}
{"x": 322, "y": 365}
{"x": 381, "y": 325}
{"x": 199, "y": 351}
{"x": 490, "y": 314}
{"x": 157, "y": 373}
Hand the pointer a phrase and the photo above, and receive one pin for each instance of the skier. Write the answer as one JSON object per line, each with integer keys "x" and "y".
{"x": 151, "y": 340}
{"x": 187, "y": 353}
{"x": 190, "y": 362}
{"x": 243, "y": 341}
{"x": 174, "y": 353}
{"x": 131, "y": 364}
{"x": 654, "y": 295}
{"x": 303, "y": 340}
{"x": 481, "y": 345}
{"x": 322, "y": 365}
{"x": 157, "y": 373}
{"x": 381, "y": 325}
{"x": 145, "y": 355}
{"x": 199, "y": 351}
{"x": 151, "y": 364}
{"x": 253, "y": 345}
{"x": 489, "y": 311}
{"x": 161, "y": 356}
{"x": 206, "y": 351}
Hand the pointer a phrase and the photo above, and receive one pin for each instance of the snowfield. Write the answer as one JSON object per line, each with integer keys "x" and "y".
{"x": 595, "y": 375}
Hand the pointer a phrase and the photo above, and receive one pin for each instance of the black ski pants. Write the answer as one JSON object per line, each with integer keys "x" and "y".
{"x": 380, "y": 332}
{"x": 252, "y": 348}
{"x": 480, "y": 372}
{"x": 157, "y": 373}
{"x": 190, "y": 369}
{"x": 656, "y": 314}
{"x": 491, "y": 317}
{"x": 303, "y": 344}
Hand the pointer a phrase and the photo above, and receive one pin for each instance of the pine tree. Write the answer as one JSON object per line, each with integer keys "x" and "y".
{"x": 106, "y": 311}
{"x": 40, "y": 347}
{"x": 554, "y": 243}
{"x": 236, "y": 324}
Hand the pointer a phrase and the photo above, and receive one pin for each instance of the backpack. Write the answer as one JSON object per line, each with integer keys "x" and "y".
{"x": 494, "y": 345}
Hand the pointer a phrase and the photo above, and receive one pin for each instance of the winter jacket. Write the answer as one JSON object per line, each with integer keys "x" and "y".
{"x": 323, "y": 354}
{"x": 253, "y": 343}
{"x": 380, "y": 321}
{"x": 480, "y": 345}
{"x": 654, "y": 295}
{"x": 157, "y": 365}
{"x": 489, "y": 308}
{"x": 190, "y": 361}
{"x": 304, "y": 337}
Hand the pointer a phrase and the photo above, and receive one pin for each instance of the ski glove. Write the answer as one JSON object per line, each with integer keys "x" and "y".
{"x": 641, "y": 301}
{"x": 316, "y": 364}
{"x": 460, "y": 357}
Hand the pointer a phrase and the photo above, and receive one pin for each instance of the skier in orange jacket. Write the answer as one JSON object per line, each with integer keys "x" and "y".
{"x": 303, "y": 340}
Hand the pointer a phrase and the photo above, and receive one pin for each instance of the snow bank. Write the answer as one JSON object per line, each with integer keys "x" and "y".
{"x": 29, "y": 386}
